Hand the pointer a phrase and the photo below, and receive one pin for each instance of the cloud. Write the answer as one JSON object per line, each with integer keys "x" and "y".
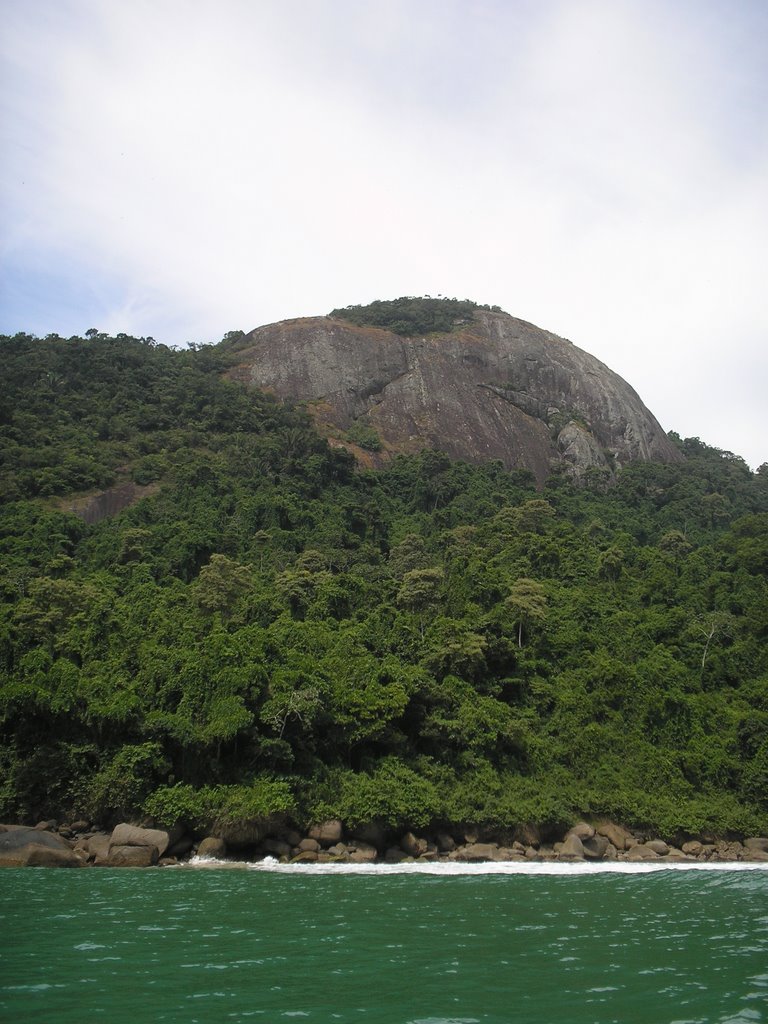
{"x": 180, "y": 169}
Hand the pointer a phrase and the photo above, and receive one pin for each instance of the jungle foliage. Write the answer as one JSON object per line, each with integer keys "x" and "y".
{"x": 273, "y": 632}
{"x": 413, "y": 314}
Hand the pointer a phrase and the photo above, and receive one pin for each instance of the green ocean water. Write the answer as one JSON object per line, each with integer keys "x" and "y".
{"x": 185, "y": 945}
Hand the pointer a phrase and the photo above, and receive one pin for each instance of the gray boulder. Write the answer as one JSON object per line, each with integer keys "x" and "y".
{"x": 658, "y": 846}
{"x": 413, "y": 846}
{"x": 131, "y": 857}
{"x": 31, "y": 847}
{"x": 595, "y": 848}
{"x": 132, "y": 835}
{"x": 571, "y": 848}
{"x": 615, "y": 834}
{"x": 212, "y": 846}
{"x": 475, "y": 852}
{"x": 640, "y": 852}
{"x": 327, "y": 833}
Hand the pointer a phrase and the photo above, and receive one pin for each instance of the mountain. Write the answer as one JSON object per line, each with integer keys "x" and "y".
{"x": 488, "y": 387}
{"x": 209, "y": 614}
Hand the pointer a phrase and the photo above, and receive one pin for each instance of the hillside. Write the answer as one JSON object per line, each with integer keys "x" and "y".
{"x": 270, "y": 630}
{"x": 472, "y": 381}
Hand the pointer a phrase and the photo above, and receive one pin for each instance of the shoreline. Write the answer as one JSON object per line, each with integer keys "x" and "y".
{"x": 328, "y": 845}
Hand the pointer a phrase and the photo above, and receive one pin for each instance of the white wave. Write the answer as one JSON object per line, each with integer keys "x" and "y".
{"x": 454, "y": 868}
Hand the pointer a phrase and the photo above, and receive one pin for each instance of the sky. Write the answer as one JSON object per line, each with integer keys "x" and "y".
{"x": 183, "y": 168}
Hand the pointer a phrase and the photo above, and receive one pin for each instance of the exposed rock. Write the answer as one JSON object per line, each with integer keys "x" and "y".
{"x": 309, "y": 846}
{"x": 693, "y": 847}
{"x": 753, "y": 854}
{"x": 413, "y": 845}
{"x": 131, "y": 856}
{"x": 94, "y": 507}
{"x": 658, "y": 846}
{"x": 132, "y": 835}
{"x": 327, "y": 832}
{"x": 363, "y": 853}
{"x": 474, "y": 852}
{"x": 98, "y": 847}
{"x": 582, "y": 830}
{"x": 29, "y": 847}
{"x": 46, "y": 826}
{"x": 596, "y": 847}
{"x": 305, "y": 857}
{"x": 571, "y": 848}
{"x": 756, "y": 843}
{"x": 499, "y": 388}
{"x": 212, "y": 846}
{"x": 640, "y": 852}
{"x": 615, "y": 834}
{"x": 46, "y": 857}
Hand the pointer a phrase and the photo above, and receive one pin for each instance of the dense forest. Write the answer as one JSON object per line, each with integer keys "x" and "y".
{"x": 272, "y": 631}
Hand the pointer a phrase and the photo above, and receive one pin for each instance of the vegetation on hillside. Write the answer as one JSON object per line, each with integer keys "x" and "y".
{"x": 275, "y": 632}
{"x": 412, "y": 314}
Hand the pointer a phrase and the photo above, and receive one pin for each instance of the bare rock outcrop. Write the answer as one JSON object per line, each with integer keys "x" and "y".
{"x": 497, "y": 388}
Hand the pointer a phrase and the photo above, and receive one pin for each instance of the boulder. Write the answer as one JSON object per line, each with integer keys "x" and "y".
{"x": 132, "y": 835}
{"x": 571, "y": 848}
{"x": 658, "y": 846}
{"x": 413, "y": 846}
{"x": 327, "y": 833}
{"x": 309, "y": 846}
{"x": 640, "y": 852}
{"x": 17, "y": 846}
{"x": 46, "y": 857}
{"x": 212, "y": 846}
{"x": 47, "y": 826}
{"x": 16, "y": 838}
{"x": 582, "y": 830}
{"x": 131, "y": 856}
{"x": 753, "y": 854}
{"x": 98, "y": 847}
{"x": 595, "y": 848}
{"x": 475, "y": 852}
{"x": 756, "y": 843}
{"x": 362, "y": 853}
{"x": 305, "y": 857}
{"x": 693, "y": 848}
{"x": 615, "y": 834}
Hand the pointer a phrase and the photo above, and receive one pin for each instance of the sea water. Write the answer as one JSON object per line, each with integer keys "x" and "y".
{"x": 432, "y": 944}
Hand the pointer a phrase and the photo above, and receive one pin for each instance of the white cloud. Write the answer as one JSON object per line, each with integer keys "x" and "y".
{"x": 596, "y": 168}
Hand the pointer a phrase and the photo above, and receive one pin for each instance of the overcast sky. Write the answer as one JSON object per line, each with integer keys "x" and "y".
{"x": 181, "y": 168}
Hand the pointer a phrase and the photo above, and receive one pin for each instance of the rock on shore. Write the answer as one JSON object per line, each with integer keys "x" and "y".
{"x": 327, "y": 842}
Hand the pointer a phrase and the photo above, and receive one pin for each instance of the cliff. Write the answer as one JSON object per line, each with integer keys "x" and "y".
{"x": 493, "y": 388}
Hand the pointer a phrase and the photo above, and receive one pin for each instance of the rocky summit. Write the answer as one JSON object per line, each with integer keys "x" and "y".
{"x": 491, "y": 387}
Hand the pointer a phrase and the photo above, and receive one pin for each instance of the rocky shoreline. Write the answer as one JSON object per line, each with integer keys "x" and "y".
{"x": 82, "y": 843}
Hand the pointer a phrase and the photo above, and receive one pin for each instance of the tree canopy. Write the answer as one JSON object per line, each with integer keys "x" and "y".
{"x": 270, "y": 630}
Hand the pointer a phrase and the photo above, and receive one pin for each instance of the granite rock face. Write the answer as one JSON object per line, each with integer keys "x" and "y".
{"x": 497, "y": 388}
